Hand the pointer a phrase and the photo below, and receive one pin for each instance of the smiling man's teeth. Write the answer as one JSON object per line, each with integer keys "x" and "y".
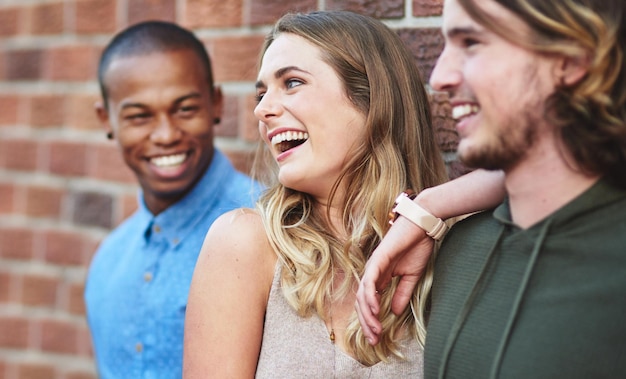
{"x": 169, "y": 160}
{"x": 289, "y": 136}
{"x": 464, "y": 110}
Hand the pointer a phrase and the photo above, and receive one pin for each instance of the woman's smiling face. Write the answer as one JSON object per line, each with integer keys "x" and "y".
{"x": 305, "y": 116}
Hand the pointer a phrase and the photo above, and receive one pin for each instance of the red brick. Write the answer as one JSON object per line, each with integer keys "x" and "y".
{"x": 39, "y": 290}
{"x": 47, "y": 18}
{"x": 5, "y": 287}
{"x": 268, "y": 11}
{"x": 109, "y": 165}
{"x": 43, "y": 201}
{"x": 228, "y": 127}
{"x": 68, "y": 158}
{"x": 95, "y": 16}
{"x": 64, "y": 248}
{"x": 426, "y": 45}
{"x": 141, "y": 10}
{"x": 80, "y": 112}
{"x": 89, "y": 248}
{"x": 456, "y": 169}
{"x": 47, "y": 110}
{"x": 249, "y": 131}
{"x": 8, "y": 22}
{"x": 19, "y": 154}
{"x": 71, "y": 63}
{"x": 378, "y": 9}
{"x": 445, "y": 129}
{"x": 427, "y": 8}
{"x": 22, "y": 64}
{"x": 6, "y": 194}
{"x": 3, "y": 65}
{"x": 16, "y": 243}
{"x": 8, "y": 109}
{"x": 35, "y": 371}
{"x": 13, "y": 332}
{"x": 236, "y": 58}
{"x": 59, "y": 336}
{"x": 213, "y": 13}
{"x": 84, "y": 341}
{"x": 76, "y": 300}
{"x": 79, "y": 375}
{"x": 92, "y": 208}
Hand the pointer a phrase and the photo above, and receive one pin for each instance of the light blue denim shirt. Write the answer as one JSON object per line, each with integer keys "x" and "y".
{"x": 138, "y": 281}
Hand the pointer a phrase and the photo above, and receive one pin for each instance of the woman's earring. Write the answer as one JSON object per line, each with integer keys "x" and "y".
{"x": 110, "y": 135}
{"x": 217, "y": 120}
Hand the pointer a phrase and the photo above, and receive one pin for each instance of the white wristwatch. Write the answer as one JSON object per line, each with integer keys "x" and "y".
{"x": 433, "y": 226}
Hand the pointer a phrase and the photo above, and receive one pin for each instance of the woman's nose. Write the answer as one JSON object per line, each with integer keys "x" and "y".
{"x": 267, "y": 107}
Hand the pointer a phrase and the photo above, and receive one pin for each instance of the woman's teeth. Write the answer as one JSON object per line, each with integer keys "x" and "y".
{"x": 289, "y": 136}
{"x": 288, "y": 140}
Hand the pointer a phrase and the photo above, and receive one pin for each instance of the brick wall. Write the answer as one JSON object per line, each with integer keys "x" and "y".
{"x": 63, "y": 185}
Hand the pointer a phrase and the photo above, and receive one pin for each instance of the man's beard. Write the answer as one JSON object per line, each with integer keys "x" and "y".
{"x": 506, "y": 147}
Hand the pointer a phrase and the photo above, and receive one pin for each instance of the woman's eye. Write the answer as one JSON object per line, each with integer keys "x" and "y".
{"x": 291, "y": 83}
{"x": 259, "y": 96}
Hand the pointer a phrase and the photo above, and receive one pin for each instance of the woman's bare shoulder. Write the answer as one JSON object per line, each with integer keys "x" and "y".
{"x": 240, "y": 234}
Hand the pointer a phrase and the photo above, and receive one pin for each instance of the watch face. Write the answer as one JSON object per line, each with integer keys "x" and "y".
{"x": 393, "y": 215}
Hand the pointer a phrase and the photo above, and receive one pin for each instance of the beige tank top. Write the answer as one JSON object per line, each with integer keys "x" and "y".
{"x": 296, "y": 347}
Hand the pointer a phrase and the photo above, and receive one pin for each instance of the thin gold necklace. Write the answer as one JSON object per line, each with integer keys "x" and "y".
{"x": 330, "y": 312}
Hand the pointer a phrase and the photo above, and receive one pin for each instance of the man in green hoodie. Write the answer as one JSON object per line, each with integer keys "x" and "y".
{"x": 535, "y": 288}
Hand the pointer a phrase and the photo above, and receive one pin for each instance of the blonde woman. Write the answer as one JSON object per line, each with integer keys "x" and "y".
{"x": 345, "y": 118}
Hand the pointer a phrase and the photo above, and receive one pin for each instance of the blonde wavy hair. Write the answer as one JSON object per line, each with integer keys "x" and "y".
{"x": 399, "y": 151}
{"x": 590, "y": 115}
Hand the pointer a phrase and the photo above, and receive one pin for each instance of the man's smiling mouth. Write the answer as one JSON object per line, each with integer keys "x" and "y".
{"x": 465, "y": 110}
{"x": 169, "y": 160}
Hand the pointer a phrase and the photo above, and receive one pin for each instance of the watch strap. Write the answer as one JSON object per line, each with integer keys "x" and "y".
{"x": 433, "y": 226}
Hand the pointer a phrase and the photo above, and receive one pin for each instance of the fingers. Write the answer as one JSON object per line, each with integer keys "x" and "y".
{"x": 404, "y": 293}
{"x": 368, "y": 305}
{"x": 369, "y": 323}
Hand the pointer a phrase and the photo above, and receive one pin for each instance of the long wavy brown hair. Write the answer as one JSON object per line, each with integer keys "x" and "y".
{"x": 399, "y": 151}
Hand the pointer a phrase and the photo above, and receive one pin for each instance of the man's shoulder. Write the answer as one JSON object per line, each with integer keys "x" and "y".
{"x": 475, "y": 226}
{"x": 123, "y": 234}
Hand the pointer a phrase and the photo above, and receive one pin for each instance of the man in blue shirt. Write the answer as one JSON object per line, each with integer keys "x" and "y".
{"x": 159, "y": 103}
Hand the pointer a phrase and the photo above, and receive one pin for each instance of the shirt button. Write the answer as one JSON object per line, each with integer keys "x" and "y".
{"x": 147, "y": 276}
{"x": 176, "y": 241}
{"x": 139, "y": 347}
{"x": 157, "y": 229}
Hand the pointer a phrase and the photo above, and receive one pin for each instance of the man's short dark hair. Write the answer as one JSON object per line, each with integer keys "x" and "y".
{"x": 151, "y": 37}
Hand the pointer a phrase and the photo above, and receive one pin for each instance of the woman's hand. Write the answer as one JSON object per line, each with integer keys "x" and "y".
{"x": 403, "y": 252}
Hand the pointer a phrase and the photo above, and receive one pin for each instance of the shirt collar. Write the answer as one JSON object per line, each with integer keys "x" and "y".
{"x": 177, "y": 220}
{"x": 598, "y": 195}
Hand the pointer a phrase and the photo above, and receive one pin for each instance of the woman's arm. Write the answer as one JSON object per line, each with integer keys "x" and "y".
{"x": 228, "y": 298}
{"x": 405, "y": 249}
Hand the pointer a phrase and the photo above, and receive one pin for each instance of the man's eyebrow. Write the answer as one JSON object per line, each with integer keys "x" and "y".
{"x": 133, "y": 105}
{"x": 462, "y": 31}
{"x": 279, "y": 73}
{"x": 192, "y": 95}
{"x": 178, "y": 100}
